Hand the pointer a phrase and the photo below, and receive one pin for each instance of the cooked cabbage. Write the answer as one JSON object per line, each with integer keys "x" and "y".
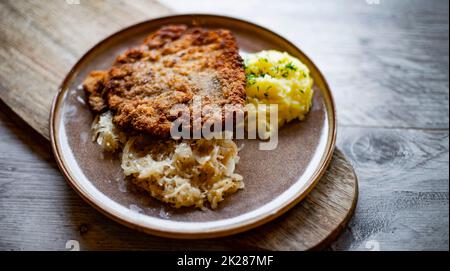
{"x": 106, "y": 134}
{"x": 182, "y": 173}
{"x": 185, "y": 173}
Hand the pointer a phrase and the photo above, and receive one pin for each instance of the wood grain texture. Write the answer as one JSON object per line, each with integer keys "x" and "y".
{"x": 387, "y": 65}
{"x": 404, "y": 200}
{"x": 43, "y": 212}
{"x": 43, "y": 40}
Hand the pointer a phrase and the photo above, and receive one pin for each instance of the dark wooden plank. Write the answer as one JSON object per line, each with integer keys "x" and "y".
{"x": 403, "y": 177}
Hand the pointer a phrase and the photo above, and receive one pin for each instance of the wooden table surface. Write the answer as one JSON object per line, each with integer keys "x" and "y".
{"x": 387, "y": 62}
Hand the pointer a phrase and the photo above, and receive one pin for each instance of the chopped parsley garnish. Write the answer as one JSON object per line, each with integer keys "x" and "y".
{"x": 251, "y": 79}
{"x": 290, "y": 66}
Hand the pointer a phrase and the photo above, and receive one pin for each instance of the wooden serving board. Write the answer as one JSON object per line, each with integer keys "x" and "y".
{"x": 40, "y": 42}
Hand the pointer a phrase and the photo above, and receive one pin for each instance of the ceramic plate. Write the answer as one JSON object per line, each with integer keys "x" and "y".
{"x": 274, "y": 180}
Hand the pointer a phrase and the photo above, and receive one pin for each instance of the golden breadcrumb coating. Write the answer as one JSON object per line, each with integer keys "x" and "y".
{"x": 171, "y": 66}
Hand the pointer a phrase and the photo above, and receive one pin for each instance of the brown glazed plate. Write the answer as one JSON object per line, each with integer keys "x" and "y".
{"x": 274, "y": 180}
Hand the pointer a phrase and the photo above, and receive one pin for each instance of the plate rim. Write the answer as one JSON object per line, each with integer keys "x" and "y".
{"x": 220, "y": 231}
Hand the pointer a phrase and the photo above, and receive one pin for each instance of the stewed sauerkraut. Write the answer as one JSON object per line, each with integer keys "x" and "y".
{"x": 182, "y": 173}
{"x": 105, "y": 133}
{"x": 185, "y": 173}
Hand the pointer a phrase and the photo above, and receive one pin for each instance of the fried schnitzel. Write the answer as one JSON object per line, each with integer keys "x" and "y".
{"x": 171, "y": 66}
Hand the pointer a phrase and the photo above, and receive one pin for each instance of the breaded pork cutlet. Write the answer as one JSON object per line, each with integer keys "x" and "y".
{"x": 170, "y": 67}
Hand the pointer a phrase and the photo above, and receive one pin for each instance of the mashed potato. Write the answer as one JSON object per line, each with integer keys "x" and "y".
{"x": 182, "y": 173}
{"x": 278, "y": 78}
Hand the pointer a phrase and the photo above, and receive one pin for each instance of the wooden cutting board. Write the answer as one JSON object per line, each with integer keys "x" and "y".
{"x": 41, "y": 41}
